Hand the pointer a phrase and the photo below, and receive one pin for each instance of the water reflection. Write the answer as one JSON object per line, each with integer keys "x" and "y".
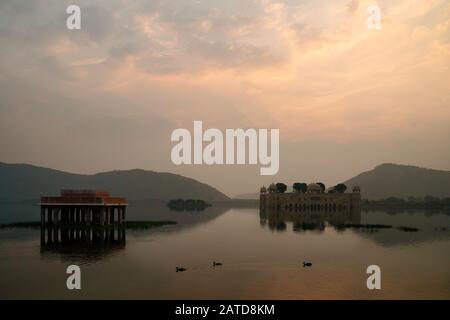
{"x": 427, "y": 212}
{"x": 81, "y": 244}
{"x": 258, "y": 263}
{"x": 76, "y": 235}
{"x": 93, "y": 244}
{"x": 276, "y": 220}
{"x": 429, "y": 227}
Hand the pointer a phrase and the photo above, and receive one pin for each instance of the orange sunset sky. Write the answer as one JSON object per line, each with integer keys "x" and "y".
{"x": 345, "y": 98}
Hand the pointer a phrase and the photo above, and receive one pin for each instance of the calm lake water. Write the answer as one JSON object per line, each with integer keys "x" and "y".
{"x": 261, "y": 256}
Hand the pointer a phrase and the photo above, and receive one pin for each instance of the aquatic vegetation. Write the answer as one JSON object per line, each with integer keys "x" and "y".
{"x": 30, "y": 225}
{"x": 407, "y": 229}
{"x": 147, "y": 224}
{"x": 128, "y": 225}
{"x": 376, "y": 227}
{"x": 367, "y": 226}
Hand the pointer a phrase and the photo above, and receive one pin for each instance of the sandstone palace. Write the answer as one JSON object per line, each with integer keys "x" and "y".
{"x": 309, "y": 198}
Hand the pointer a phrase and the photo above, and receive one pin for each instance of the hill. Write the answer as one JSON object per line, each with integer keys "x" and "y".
{"x": 247, "y": 196}
{"x": 24, "y": 182}
{"x": 402, "y": 181}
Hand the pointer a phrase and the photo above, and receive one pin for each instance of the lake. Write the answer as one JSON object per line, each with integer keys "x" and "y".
{"x": 262, "y": 257}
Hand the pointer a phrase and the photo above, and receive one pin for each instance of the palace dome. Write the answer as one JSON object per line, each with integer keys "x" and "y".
{"x": 314, "y": 188}
{"x": 273, "y": 188}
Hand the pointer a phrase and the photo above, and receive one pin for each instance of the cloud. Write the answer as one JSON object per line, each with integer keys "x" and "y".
{"x": 88, "y": 61}
{"x": 352, "y": 6}
{"x": 138, "y": 69}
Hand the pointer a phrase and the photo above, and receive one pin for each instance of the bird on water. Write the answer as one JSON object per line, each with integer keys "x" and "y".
{"x": 179, "y": 269}
{"x": 216, "y": 263}
{"x": 307, "y": 264}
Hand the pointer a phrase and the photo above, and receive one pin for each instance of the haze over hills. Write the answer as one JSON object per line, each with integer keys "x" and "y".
{"x": 26, "y": 182}
{"x": 402, "y": 181}
{"x": 247, "y": 196}
{"x": 395, "y": 180}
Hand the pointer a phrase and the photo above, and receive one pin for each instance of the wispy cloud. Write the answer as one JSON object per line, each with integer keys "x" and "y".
{"x": 310, "y": 68}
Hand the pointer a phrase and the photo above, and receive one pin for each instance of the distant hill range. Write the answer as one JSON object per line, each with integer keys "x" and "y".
{"x": 395, "y": 180}
{"x": 27, "y": 182}
{"x": 401, "y": 181}
{"x": 247, "y": 196}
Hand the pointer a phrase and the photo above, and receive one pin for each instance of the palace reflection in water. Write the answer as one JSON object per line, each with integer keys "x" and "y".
{"x": 257, "y": 263}
{"x": 308, "y": 220}
{"x": 309, "y": 207}
{"x": 82, "y": 222}
{"x": 81, "y": 245}
{"x": 53, "y": 236}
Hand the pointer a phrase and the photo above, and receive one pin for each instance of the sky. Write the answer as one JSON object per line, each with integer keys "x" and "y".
{"x": 345, "y": 98}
